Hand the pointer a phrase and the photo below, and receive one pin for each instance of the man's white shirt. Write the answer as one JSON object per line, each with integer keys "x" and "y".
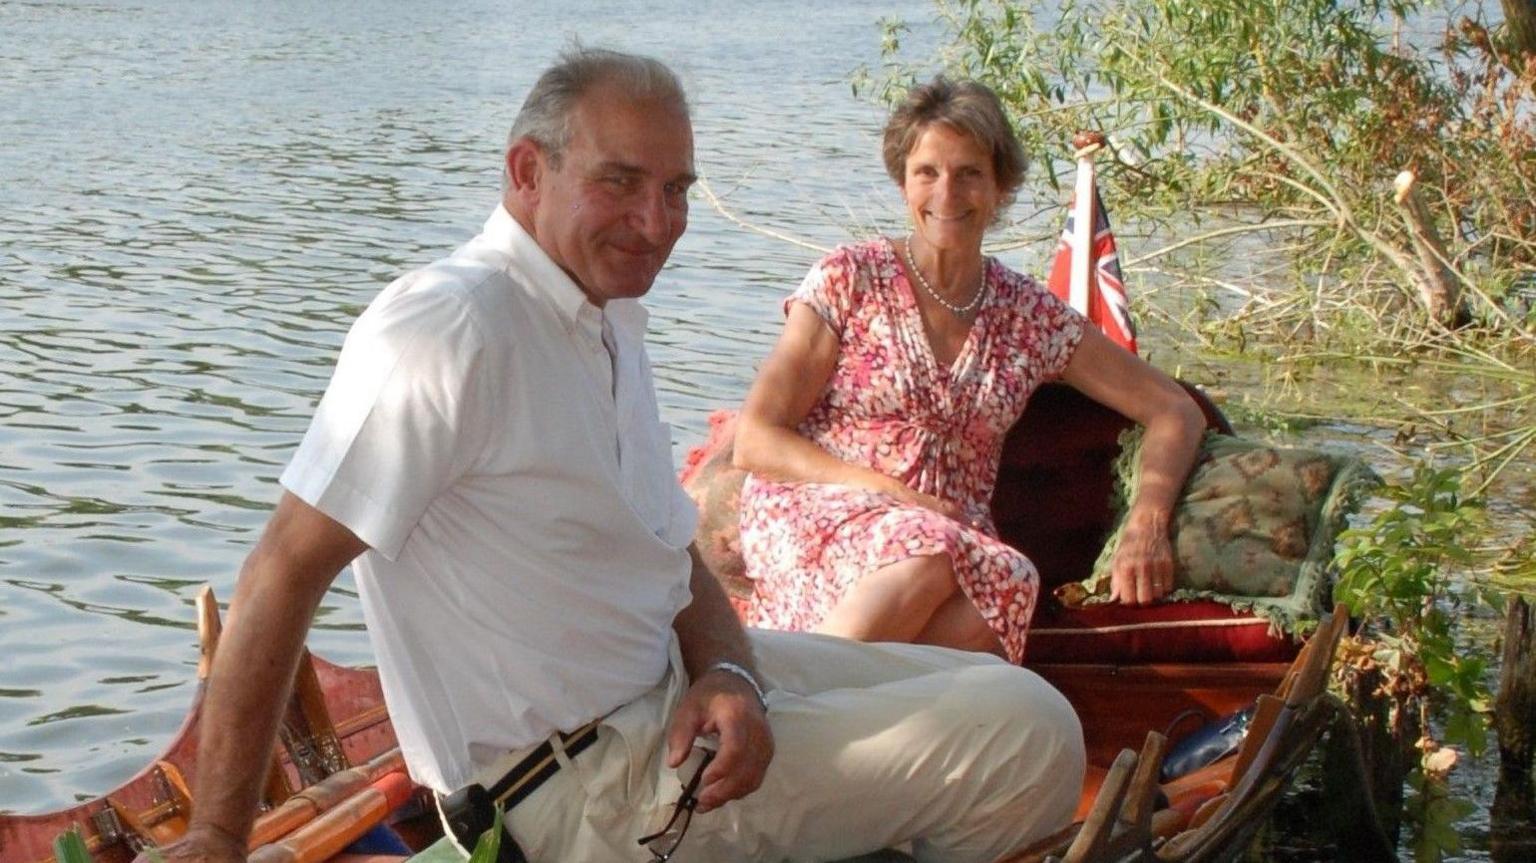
{"x": 513, "y": 480}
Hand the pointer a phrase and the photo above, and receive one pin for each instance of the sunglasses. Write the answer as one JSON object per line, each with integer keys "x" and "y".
{"x": 663, "y": 843}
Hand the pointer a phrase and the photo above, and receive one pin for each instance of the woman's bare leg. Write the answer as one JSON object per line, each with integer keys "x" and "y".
{"x": 957, "y": 623}
{"x": 895, "y": 602}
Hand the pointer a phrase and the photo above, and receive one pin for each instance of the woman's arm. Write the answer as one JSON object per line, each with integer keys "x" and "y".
{"x": 792, "y": 379}
{"x": 1116, "y": 378}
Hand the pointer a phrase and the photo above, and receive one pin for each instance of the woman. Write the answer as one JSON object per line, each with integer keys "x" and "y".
{"x": 875, "y": 427}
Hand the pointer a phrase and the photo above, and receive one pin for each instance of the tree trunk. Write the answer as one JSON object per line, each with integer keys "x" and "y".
{"x": 1388, "y": 729}
{"x": 1350, "y": 794}
{"x": 1520, "y": 25}
{"x": 1514, "y": 716}
{"x": 1439, "y": 286}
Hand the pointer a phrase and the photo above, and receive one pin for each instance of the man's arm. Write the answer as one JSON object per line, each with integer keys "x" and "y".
{"x": 718, "y": 702}
{"x": 281, "y": 584}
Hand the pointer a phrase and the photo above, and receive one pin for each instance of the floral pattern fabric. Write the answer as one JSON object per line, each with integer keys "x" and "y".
{"x": 890, "y": 406}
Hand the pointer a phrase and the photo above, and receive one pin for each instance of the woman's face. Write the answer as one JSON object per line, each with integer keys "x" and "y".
{"x": 950, "y": 188}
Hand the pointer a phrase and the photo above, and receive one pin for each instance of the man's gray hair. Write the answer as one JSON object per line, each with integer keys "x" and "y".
{"x": 545, "y": 115}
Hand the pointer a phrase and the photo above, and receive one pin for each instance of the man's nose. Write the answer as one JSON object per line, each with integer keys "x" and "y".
{"x": 652, "y": 218}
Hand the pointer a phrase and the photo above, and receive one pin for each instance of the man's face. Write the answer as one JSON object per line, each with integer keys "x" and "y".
{"x": 611, "y": 211}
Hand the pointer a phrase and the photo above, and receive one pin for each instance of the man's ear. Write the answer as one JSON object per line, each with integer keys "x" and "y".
{"x": 525, "y": 171}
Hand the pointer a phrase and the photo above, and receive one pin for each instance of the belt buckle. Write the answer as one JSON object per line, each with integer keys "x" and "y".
{"x": 467, "y": 815}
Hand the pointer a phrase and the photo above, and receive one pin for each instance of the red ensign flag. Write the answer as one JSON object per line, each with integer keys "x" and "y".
{"x": 1108, "y": 307}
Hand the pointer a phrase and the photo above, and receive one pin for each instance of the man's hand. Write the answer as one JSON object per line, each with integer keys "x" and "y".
{"x": 721, "y": 704}
{"x": 200, "y": 844}
{"x": 1142, "y": 571}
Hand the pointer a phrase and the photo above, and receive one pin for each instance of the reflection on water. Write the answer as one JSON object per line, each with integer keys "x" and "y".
{"x": 197, "y": 199}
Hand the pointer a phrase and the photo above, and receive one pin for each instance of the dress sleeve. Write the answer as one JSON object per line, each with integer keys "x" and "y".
{"x": 1060, "y": 331}
{"x": 399, "y": 421}
{"x": 828, "y": 290}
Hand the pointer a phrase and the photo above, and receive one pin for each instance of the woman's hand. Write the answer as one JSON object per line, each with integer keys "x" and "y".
{"x": 892, "y": 487}
{"x": 1142, "y": 570}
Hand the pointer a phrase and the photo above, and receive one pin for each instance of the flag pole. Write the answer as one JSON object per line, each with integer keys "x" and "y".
{"x": 1084, "y": 146}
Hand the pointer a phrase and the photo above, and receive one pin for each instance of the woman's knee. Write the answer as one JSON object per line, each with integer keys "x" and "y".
{"x": 958, "y": 623}
{"x": 926, "y": 581}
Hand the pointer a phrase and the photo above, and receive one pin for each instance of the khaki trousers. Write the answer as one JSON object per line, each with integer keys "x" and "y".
{"x": 953, "y": 756}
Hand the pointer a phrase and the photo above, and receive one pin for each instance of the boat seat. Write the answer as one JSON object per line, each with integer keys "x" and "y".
{"x": 1055, "y": 482}
{"x": 1175, "y": 632}
{"x": 1054, "y": 502}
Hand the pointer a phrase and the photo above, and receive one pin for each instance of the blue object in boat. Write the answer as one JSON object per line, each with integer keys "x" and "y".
{"x": 1207, "y": 744}
{"x": 380, "y": 840}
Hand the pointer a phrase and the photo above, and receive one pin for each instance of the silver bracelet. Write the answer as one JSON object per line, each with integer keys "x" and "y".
{"x": 733, "y": 668}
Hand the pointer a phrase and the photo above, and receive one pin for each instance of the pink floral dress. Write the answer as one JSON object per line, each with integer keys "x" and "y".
{"x": 891, "y": 407}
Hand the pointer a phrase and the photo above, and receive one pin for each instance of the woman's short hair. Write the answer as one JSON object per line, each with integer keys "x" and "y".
{"x": 968, "y": 107}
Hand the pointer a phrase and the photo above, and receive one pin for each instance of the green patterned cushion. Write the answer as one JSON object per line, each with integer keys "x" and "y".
{"x": 1254, "y": 527}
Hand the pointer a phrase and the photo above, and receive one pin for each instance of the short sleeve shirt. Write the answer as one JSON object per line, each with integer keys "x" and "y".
{"x": 512, "y": 478}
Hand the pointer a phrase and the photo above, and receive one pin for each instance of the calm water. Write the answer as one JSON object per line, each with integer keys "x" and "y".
{"x": 196, "y": 199}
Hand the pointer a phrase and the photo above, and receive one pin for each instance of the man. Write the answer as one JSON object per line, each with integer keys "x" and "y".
{"x": 490, "y": 452}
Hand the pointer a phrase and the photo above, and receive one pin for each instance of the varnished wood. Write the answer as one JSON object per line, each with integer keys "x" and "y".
{"x": 341, "y": 825}
{"x": 318, "y": 799}
{"x": 209, "y": 628}
{"x": 307, "y": 731}
{"x": 1160, "y": 693}
{"x": 1141, "y": 798}
{"x": 1100, "y": 824}
{"x": 1266, "y": 712}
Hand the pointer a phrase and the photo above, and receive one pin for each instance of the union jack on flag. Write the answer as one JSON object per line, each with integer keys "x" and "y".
{"x": 1108, "y": 307}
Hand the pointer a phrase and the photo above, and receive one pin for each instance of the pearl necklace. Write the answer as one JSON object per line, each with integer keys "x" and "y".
{"x": 981, "y": 289}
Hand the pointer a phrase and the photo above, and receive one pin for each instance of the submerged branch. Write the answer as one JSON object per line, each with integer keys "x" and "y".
{"x": 1505, "y": 456}
{"x": 709, "y": 195}
{"x": 1209, "y": 280}
{"x": 1226, "y": 232}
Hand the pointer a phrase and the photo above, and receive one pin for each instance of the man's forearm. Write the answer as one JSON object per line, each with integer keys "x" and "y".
{"x": 250, "y": 682}
{"x": 708, "y": 630}
{"x": 281, "y": 584}
{"x": 728, "y": 705}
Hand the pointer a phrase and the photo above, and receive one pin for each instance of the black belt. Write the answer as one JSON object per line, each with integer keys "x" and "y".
{"x": 470, "y": 811}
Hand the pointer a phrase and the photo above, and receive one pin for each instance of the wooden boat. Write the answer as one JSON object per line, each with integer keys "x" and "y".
{"x": 339, "y": 773}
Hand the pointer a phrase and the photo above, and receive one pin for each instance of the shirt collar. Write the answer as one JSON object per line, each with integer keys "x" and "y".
{"x": 545, "y": 278}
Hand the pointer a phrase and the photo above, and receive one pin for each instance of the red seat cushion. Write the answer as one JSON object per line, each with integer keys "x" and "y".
{"x": 1202, "y": 631}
